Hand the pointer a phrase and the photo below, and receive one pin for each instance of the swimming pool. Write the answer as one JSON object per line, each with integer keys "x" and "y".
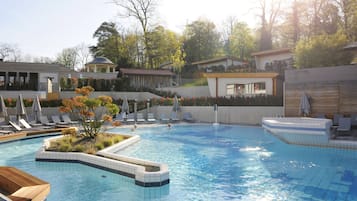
{"x": 206, "y": 163}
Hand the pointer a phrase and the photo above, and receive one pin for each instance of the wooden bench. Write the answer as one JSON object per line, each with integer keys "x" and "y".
{"x": 20, "y": 186}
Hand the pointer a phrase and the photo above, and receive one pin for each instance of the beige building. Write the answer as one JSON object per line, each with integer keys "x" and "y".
{"x": 100, "y": 65}
{"x": 272, "y": 60}
{"x": 243, "y": 84}
{"x": 224, "y": 62}
{"x": 145, "y": 78}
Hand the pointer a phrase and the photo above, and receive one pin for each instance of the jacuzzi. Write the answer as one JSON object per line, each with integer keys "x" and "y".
{"x": 295, "y": 130}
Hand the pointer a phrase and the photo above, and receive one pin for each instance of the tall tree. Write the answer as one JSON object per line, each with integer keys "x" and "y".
{"x": 268, "y": 17}
{"x": 165, "y": 47}
{"x": 348, "y": 11}
{"x": 143, "y": 11}
{"x": 201, "y": 40}
{"x": 241, "y": 41}
{"x": 322, "y": 50}
{"x": 228, "y": 26}
{"x": 108, "y": 42}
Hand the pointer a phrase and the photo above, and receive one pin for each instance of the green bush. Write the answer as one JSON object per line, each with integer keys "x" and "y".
{"x": 78, "y": 148}
{"x": 65, "y": 147}
{"x": 118, "y": 139}
{"x": 99, "y": 146}
{"x": 107, "y": 142}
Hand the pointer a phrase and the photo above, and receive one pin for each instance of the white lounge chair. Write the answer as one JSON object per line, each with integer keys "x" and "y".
{"x": 151, "y": 118}
{"x": 187, "y": 116}
{"x": 67, "y": 119}
{"x": 174, "y": 117}
{"x": 2, "y": 132}
{"x": 15, "y": 126}
{"x": 163, "y": 118}
{"x": 44, "y": 121}
{"x": 27, "y": 126}
{"x": 140, "y": 118}
{"x": 130, "y": 117}
{"x": 336, "y": 118}
{"x": 56, "y": 119}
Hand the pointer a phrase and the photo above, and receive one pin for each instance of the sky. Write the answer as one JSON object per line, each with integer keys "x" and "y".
{"x": 43, "y": 28}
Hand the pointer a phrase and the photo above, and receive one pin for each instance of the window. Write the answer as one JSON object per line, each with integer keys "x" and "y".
{"x": 12, "y": 79}
{"x": 2, "y": 79}
{"x": 23, "y": 81}
{"x": 259, "y": 88}
{"x": 245, "y": 89}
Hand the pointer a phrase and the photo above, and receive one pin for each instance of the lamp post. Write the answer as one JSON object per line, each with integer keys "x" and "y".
{"x": 135, "y": 109}
{"x": 147, "y": 108}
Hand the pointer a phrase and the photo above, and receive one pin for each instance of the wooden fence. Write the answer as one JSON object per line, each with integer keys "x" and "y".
{"x": 326, "y": 97}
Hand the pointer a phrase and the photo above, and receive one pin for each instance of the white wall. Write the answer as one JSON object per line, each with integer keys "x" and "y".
{"x": 222, "y": 84}
{"x": 25, "y": 94}
{"x": 262, "y": 60}
{"x": 226, "y": 114}
{"x": 198, "y": 91}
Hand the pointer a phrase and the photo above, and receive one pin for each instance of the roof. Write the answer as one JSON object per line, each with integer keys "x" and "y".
{"x": 241, "y": 75}
{"x": 32, "y": 67}
{"x": 100, "y": 60}
{"x": 207, "y": 61}
{"x": 137, "y": 71}
{"x": 271, "y": 52}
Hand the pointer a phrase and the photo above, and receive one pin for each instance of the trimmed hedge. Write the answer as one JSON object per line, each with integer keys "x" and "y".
{"x": 261, "y": 100}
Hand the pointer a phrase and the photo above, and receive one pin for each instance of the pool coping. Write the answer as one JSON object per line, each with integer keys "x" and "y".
{"x": 107, "y": 160}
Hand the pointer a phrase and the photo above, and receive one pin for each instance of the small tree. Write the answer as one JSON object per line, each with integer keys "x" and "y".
{"x": 322, "y": 50}
{"x": 93, "y": 112}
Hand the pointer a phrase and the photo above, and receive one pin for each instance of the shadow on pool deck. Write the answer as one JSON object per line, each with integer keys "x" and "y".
{"x": 348, "y": 135}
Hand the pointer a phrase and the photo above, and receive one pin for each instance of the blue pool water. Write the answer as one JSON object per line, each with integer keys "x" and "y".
{"x": 205, "y": 163}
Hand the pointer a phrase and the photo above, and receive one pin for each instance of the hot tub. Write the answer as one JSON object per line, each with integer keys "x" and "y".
{"x": 295, "y": 130}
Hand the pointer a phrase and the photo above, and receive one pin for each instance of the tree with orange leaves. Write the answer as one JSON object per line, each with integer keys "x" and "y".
{"x": 93, "y": 112}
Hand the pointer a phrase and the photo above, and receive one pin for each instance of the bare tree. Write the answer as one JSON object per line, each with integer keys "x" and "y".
{"x": 143, "y": 11}
{"x": 68, "y": 57}
{"x": 228, "y": 26}
{"x": 268, "y": 16}
{"x": 9, "y": 52}
{"x": 83, "y": 55}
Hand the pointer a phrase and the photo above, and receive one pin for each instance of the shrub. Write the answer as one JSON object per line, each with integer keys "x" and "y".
{"x": 107, "y": 142}
{"x": 118, "y": 139}
{"x": 64, "y": 147}
{"x": 69, "y": 131}
{"x": 78, "y": 148}
{"x": 99, "y": 146}
{"x": 91, "y": 150}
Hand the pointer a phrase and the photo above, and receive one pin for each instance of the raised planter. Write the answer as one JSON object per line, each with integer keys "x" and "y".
{"x": 140, "y": 170}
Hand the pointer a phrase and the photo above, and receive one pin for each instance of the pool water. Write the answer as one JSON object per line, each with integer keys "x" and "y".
{"x": 206, "y": 163}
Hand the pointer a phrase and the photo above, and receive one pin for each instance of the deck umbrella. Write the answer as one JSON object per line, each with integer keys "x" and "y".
{"x": 36, "y": 109}
{"x": 304, "y": 105}
{"x": 20, "y": 108}
{"x": 125, "y": 106}
{"x": 3, "y": 110}
{"x": 176, "y": 106}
